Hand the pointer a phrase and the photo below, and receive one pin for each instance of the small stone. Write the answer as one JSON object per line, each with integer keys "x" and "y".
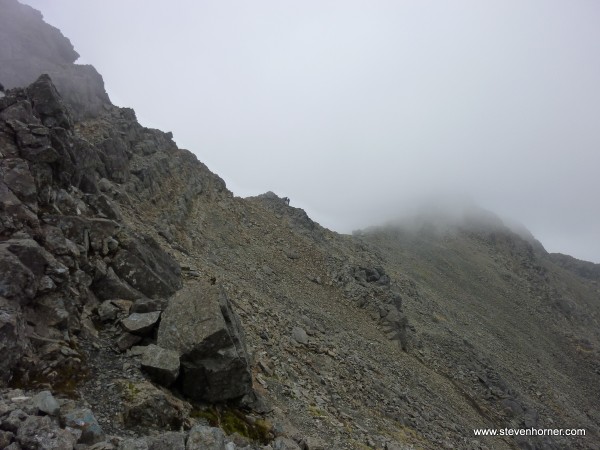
{"x": 46, "y": 403}
{"x": 266, "y": 368}
{"x": 133, "y": 444}
{"x": 284, "y": 443}
{"x": 46, "y": 284}
{"x": 42, "y": 433}
{"x": 107, "y": 311}
{"x": 264, "y": 335}
{"x": 299, "y": 335}
{"x": 312, "y": 443}
{"x": 291, "y": 253}
{"x": 136, "y": 350}
{"x": 146, "y": 305}
{"x": 127, "y": 340}
{"x": 84, "y": 420}
{"x": 171, "y": 440}
{"x": 141, "y": 323}
{"x": 202, "y": 437}
{"x": 5, "y": 438}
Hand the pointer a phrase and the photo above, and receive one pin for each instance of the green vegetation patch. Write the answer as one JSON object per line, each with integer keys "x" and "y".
{"x": 232, "y": 420}
{"x": 63, "y": 379}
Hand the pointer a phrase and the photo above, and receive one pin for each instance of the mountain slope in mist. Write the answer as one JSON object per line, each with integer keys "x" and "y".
{"x": 399, "y": 337}
{"x": 514, "y": 326}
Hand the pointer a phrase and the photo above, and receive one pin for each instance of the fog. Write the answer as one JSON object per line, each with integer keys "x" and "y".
{"x": 355, "y": 108}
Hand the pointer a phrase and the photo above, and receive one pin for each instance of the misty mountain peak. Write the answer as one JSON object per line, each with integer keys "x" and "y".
{"x": 31, "y": 47}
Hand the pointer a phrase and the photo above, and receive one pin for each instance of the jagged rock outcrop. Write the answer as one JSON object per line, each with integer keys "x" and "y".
{"x": 584, "y": 269}
{"x": 200, "y": 325}
{"x": 31, "y": 47}
{"x": 65, "y": 246}
{"x": 63, "y": 243}
{"x": 295, "y": 217}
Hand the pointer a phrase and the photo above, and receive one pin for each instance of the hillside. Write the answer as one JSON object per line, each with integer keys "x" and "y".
{"x": 143, "y": 305}
{"x": 516, "y": 332}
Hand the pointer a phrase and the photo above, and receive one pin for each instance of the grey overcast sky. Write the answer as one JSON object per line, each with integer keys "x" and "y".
{"x": 354, "y": 108}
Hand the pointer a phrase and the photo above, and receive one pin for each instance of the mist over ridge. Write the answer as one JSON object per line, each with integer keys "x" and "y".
{"x": 350, "y": 108}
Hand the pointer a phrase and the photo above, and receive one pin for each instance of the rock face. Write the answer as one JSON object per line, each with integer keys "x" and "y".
{"x": 142, "y": 264}
{"x": 63, "y": 243}
{"x": 32, "y": 47}
{"x": 201, "y": 327}
{"x": 13, "y": 340}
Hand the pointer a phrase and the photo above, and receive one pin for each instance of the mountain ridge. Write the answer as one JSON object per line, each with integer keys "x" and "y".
{"x": 388, "y": 339}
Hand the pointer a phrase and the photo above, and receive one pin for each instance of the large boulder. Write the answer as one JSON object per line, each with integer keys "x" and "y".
{"x": 200, "y": 325}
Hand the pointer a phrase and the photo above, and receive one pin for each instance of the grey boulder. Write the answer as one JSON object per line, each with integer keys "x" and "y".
{"x": 85, "y": 421}
{"x": 202, "y": 437}
{"x": 141, "y": 323}
{"x": 41, "y": 433}
{"x": 46, "y": 403}
{"x": 201, "y": 327}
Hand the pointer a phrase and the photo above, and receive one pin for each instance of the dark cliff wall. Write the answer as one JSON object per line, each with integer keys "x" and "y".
{"x": 30, "y": 47}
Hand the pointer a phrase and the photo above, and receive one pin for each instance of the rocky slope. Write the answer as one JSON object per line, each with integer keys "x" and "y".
{"x": 142, "y": 305}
